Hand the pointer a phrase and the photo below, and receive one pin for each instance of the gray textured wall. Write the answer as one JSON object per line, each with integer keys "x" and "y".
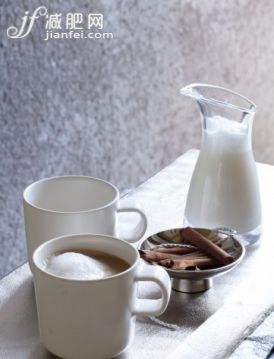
{"x": 111, "y": 108}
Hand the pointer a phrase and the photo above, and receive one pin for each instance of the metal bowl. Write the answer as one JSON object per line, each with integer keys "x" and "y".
{"x": 197, "y": 280}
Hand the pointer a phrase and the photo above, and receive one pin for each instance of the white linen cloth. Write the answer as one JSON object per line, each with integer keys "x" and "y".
{"x": 259, "y": 344}
{"x": 210, "y": 324}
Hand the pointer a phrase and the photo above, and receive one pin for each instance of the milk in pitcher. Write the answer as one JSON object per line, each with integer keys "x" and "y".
{"x": 224, "y": 189}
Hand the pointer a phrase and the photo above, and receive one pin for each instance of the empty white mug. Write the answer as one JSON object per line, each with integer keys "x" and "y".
{"x": 93, "y": 319}
{"x": 65, "y": 205}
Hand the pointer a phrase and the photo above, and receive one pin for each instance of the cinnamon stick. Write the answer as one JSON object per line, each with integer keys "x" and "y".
{"x": 188, "y": 263}
{"x": 153, "y": 256}
{"x": 174, "y": 250}
{"x": 193, "y": 255}
{"x": 198, "y": 240}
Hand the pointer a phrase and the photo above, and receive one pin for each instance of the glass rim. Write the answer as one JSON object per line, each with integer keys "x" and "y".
{"x": 188, "y": 91}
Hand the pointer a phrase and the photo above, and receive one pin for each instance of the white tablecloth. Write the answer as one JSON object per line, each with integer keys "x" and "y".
{"x": 210, "y": 324}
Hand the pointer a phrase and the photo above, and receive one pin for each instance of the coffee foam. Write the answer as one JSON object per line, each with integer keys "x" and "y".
{"x": 74, "y": 265}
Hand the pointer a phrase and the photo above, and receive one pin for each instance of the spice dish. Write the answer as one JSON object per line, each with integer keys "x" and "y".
{"x": 194, "y": 278}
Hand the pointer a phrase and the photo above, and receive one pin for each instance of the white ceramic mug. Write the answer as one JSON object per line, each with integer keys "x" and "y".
{"x": 65, "y": 205}
{"x": 85, "y": 319}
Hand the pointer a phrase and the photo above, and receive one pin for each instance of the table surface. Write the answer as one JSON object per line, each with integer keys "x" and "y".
{"x": 163, "y": 198}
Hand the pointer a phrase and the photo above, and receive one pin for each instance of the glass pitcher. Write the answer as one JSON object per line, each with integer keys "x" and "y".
{"x": 224, "y": 189}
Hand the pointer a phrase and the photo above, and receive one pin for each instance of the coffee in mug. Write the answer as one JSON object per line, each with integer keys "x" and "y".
{"x": 93, "y": 318}
{"x": 84, "y": 264}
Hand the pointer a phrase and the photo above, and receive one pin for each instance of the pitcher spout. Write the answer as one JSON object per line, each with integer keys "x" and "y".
{"x": 219, "y": 96}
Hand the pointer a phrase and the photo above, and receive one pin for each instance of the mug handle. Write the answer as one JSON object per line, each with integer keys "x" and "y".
{"x": 152, "y": 307}
{"x": 133, "y": 206}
